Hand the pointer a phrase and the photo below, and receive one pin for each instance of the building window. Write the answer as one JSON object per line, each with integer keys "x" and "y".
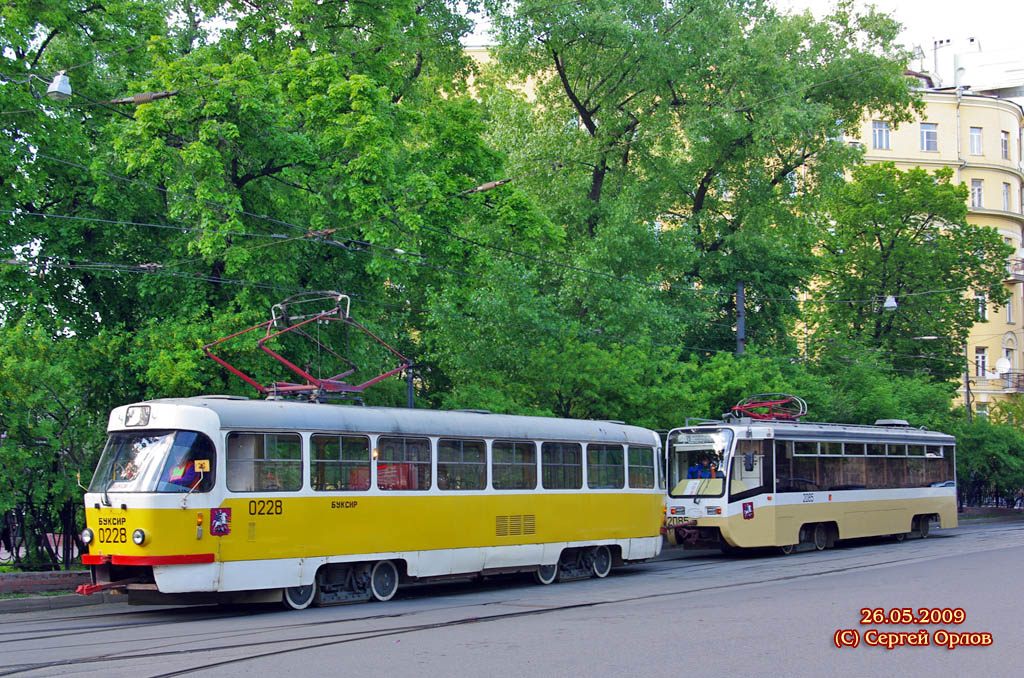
{"x": 980, "y": 361}
{"x": 981, "y": 306}
{"x": 1009, "y": 311}
{"x": 976, "y": 192}
{"x": 975, "y": 141}
{"x": 880, "y": 134}
{"x": 929, "y": 136}
{"x": 1008, "y": 354}
{"x": 981, "y": 411}
{"x": 1004, "y": 145}
{"x": 1006, "y": 196}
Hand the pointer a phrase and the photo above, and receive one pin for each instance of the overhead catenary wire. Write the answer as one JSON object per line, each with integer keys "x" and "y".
{"x": 156, "y": 270}
{"x": 581, "y": 332}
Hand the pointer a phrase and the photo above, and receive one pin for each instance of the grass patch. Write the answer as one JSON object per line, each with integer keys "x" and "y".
{"x": 6, "y": 596}
{"x": 993, "y": 514}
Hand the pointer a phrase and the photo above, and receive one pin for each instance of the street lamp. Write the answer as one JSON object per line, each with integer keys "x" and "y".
{"x": 60, "y": 88}
{"x": 890, "y": 303}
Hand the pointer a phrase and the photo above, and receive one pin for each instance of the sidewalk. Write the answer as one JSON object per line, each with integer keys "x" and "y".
{"x": 61, "y": 583}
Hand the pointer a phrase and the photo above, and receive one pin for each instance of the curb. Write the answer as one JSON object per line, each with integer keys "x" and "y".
{"x": 37, "y": 603}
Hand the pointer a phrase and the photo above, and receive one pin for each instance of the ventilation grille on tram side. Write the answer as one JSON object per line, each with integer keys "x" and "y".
{"x": 511, "y": 526}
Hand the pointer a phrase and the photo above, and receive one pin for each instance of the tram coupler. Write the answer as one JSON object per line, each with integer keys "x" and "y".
{"x": 685, "y": 534}
{"x": 89, "y": 589}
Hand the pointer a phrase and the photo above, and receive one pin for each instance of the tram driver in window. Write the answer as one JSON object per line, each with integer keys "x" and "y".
{"x": 705, "y": 469}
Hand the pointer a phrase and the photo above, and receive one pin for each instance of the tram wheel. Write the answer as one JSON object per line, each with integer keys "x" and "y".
{"x": 923, "y": 526}
{"x": 546, "y": 574}
{"x": 384, "y": 580}
{"x": 900, "y": 536}
{"x": 602, "y": 561}
{"x": 787, "y": 549}
{"x": 820, "y": 536}
{"x": 299, "y": 597}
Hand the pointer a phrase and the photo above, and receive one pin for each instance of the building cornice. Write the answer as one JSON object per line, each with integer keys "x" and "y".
{"x": 976, "y": 100}
{"x": 926, "y": 162}
{"x": 1002, "y": 214}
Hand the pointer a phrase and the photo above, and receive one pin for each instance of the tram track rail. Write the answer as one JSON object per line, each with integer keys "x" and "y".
{"x": 842, "y": 560}
{"x": 349, "y": 636}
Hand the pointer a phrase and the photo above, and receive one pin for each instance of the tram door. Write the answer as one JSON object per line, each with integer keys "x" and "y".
{"x": 751, "y": 478}
{"x": 752, "y": 468}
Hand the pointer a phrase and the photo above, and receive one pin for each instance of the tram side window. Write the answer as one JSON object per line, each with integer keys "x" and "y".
{"x": 895, "y": 471}
{"x": 514, "y": 465}
{"x": 562, "y": 466}
{"x": 783, "y": 465}
{"x": 339, "y": 463}
{"x": 605, "y": 469}
{"x": 915, "y": 472}
{"x": 949, "y": 462}
{"x": 641, "y": 467}
{"x": 461, "y": 464}
{"x": 805, "y": 475}
{"x": 403, "y": 463}
{"x": 264, "y": 462}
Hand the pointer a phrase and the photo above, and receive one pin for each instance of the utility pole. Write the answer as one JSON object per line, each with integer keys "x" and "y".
{"x": 967, "y": 394}
{"x": 410, "y": 394}
{"x": 741, "y": 320}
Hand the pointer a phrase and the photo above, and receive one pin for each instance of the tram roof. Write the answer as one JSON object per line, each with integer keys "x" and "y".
{"x": 292, "y": 415}
{"x": 807, "y": 430}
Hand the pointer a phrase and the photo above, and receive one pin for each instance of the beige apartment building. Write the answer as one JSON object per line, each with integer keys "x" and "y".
{"x": 979, "y": 137}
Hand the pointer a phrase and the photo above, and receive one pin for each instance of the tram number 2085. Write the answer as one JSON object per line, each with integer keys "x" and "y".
{"x": 265, "y": 507}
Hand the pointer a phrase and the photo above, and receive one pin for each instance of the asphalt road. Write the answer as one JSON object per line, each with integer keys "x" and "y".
{"x": 691, "y": 613}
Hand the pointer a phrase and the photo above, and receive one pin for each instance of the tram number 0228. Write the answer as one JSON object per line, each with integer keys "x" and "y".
{"x": 265, "y": 507}
{"x": 113, "y": 535}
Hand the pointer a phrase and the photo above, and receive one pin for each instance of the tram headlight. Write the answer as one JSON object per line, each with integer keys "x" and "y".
{"x": 139, "y": 537}
{"x": 87, "y": 536}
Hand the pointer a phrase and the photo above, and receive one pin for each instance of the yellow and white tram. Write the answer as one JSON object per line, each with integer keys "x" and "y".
{"x": 239, "y": 499}
{"x": 744, "y": 482}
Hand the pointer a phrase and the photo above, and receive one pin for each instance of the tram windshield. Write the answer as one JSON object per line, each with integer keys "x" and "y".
{"x": 155, "y": 461}
{"x": 696, "y": 463}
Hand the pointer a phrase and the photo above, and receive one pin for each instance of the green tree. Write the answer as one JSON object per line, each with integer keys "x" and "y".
{"x": 904, "y": 234}
{"x": 54, "y": 401}
{"x": 716, "y": 121}
{"x": 989, "y": 460}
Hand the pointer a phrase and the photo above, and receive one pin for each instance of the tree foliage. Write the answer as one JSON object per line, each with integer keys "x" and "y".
{"x": 673, "y": 149}
{"x": 717, "y": 121}
{"x": 905, "y": 234}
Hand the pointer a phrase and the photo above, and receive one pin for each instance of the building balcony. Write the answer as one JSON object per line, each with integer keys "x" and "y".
{"x": 1013, "y": 382}
{"x": 1015, "y": 271}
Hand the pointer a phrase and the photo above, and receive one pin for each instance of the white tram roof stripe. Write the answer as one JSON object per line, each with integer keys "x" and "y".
{"x": 820, "y": 431}
{"x": 287, "y": 415}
